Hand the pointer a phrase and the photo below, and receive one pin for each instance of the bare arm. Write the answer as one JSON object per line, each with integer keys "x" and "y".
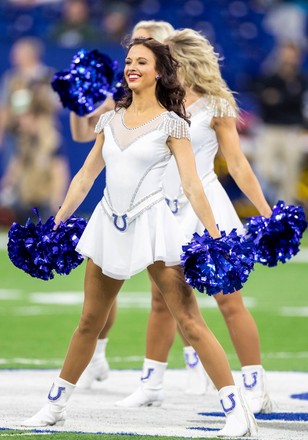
{"x": 82, "y": 127}
{"x": 83, "y": 181}
{"x": 238, "y": 165}
{"x": 192, "y": 186}
{"x": 60, "y": 179}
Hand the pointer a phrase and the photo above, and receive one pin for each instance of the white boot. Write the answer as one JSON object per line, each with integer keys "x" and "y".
{"x": 54, "y": 412}
{"x": 98, "y": 368}
{"x": 150, "y": 392}
{"x": 197, "y": 380}
{"x": 255, "y": 389}
{"x": 240, "y": 421}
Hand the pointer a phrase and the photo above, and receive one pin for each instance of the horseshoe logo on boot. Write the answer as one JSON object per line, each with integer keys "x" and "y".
{"x": 147, "y": 377}
{"x": 194, "y": 363}
{"x": 60, "y": 391}
{"x": 232, "y": 400}
{"x": 254, "y": 376}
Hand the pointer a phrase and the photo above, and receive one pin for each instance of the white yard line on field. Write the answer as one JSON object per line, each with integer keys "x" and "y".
{"x": 127, "y": 359}
{"x": 23, "y": 392}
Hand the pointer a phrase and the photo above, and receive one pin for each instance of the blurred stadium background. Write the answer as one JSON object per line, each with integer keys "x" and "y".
{"x": 36, "y": 317}
{"x": 244, "y": 33}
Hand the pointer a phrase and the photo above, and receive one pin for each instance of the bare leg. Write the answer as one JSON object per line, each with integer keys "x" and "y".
{"x": 98, "y": 367}
{"x": 100, "y": 293}
{"x": 245, "y": 338}
{"x": 242, "y": 328}
{"x": 181, "y": 300}
{"x": 161, "y": 331}
{"x": 161, "y": 328}
{"x": 184, "y": 340}
{"x": 110, "y": 321}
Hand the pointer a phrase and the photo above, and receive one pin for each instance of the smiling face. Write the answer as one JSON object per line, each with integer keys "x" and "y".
{"x": 140, "y": 68}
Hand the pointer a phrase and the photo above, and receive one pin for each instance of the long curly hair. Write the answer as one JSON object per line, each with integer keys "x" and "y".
{"x": 199, "y": 66}
{"x": 169, "y": 91}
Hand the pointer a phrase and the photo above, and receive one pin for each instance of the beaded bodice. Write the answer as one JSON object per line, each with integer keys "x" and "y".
{"x": 203, "y": 139}
{"x": 136, "y": 158}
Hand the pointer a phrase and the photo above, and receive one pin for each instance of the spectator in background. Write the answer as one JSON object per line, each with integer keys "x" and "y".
{"x": 29, "y": 133}
{"x": 27, "y": 76}
{"x": 286, "y": 20}
{"x": 116, "y": 22}
{"x": 37, "y": 175}
{"x": 75, "y": 28}
{"x": 281, "y": 95}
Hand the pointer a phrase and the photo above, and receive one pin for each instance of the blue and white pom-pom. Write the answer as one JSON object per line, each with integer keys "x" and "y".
{"x": 277, "y": 238}
{"x": 40, "y": 251}
{"x": 87, "y": 81}
{"x": 217, "y": 265}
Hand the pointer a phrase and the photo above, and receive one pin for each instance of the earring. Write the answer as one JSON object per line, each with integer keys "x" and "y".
{"x": 157, "y": 77}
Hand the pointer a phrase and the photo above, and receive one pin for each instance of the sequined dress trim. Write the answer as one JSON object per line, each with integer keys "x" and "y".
{"x": 134, "y": 208}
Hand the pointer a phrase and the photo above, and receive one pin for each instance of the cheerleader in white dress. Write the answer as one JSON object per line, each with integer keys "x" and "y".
{"x": 132, "y": 228}
{"x": 212, "y": 126}
{"x": 205, "y": 146}
{"x": 82, "y": 129}
{"x": 133, "y": 222}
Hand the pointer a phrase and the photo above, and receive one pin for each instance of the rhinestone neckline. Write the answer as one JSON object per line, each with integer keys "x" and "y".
{"x": 142, "y": 125}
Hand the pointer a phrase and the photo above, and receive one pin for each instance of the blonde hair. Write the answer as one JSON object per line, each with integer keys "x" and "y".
{"x": 159, "y": 30}
{"x": 199, "y": 66}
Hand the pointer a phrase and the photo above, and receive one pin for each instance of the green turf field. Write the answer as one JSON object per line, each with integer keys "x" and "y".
{"x": 37, "y": 324}
{"x": 38, "y": 317}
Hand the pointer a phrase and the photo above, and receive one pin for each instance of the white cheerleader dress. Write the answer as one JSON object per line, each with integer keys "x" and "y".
{"x": 132, "y": 226}
{"x": 205, "y": 146}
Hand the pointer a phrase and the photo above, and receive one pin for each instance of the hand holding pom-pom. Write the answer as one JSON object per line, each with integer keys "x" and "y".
{"x": 40, "y": 250}
{"x": 215, "y": 265}
{"x": 277, "y": 238}
{"x": 86, "y": 82}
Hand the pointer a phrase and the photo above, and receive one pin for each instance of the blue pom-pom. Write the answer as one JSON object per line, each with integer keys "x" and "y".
{"x": 217, "y": 265}
{"x": 40, "y": 251}
{"x": 64, "y": 257}
{"x": 86, "y": 82}
{"x": 277, "y": 238}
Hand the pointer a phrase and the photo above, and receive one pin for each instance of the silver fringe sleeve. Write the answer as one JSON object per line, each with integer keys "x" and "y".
{"x": 225, "y": 109}
{"x": 175, "y": 126}
{"x": 103, "y": 121}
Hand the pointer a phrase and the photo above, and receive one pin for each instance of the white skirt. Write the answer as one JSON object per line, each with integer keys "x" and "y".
{"x": 224, "y": 213}
{"x": 155, "y": 235}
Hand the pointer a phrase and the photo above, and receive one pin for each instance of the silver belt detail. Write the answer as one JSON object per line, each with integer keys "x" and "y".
{"x": 132, "y": 213}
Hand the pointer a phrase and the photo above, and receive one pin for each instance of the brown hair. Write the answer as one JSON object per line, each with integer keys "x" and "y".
{"x": 169, "y": 92}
